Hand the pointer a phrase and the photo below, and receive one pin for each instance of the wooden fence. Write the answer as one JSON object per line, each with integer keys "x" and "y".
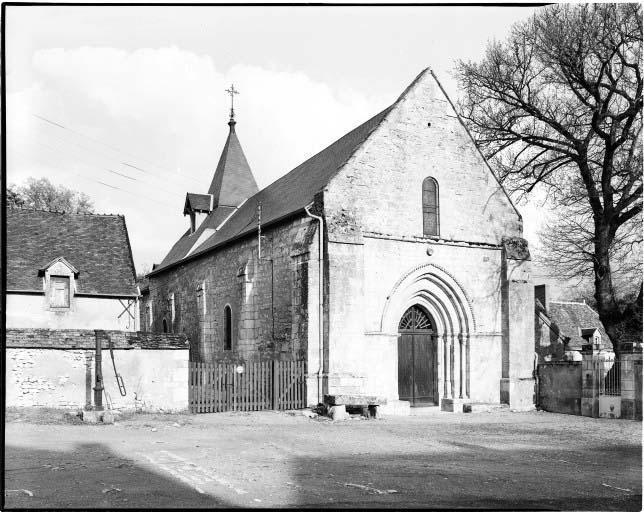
{"x": 251, "y": 386}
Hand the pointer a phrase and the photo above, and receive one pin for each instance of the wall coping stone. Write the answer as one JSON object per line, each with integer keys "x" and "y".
{"x": 68, "y": 339}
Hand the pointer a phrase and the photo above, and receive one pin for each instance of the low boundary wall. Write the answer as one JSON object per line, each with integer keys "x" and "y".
{"x": 599, "y": 386}
{"x": 55, "y": 368}
{"x": 560, "y": 387}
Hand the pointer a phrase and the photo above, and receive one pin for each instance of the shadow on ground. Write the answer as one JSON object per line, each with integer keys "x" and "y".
{"x": 472, "y": 478}
{"x": 67, "y": 479}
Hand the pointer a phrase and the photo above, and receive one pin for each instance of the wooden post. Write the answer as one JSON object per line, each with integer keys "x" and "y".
{"x": 275, "y": 384}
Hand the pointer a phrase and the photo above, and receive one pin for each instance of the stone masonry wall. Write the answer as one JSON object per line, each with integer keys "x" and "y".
{"x": 268, "y": 298}
{"x": 86, "y": 339}
{"x": 560, "y": 387}
{"x": 373, "y": 211}
{"x": 380, "y": 188}
{"x": 48, "y": 368}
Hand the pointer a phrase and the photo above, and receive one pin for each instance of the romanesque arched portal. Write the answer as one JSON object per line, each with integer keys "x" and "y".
{"x": 417, "y": 358}
{"x": 431, "y": 290}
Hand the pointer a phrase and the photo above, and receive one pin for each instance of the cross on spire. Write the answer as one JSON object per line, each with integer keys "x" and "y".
{"x": 232, "y": 91}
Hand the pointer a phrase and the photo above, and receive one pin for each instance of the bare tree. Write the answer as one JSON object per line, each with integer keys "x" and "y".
{"x": 558, "y": 107}
{"x": 44, "y": 195}
{"x": 14, "y": 198}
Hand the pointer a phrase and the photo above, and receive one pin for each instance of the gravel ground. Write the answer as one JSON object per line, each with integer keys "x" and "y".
{"x": 495, "y": 460}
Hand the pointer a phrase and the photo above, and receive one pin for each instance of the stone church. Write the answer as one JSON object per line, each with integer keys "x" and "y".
{"x": 391, "y": 261}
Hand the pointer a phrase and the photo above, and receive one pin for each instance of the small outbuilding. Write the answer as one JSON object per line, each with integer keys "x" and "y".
{"x": 69, "y": 271}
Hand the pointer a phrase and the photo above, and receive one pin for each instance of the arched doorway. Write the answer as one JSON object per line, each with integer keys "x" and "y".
{"x": 417, "y": 358}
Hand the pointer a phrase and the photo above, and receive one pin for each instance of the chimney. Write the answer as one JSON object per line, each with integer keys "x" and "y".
{"x": 542, "y": 292}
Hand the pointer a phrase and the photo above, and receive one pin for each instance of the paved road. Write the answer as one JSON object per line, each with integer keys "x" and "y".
{"x": 485, "y": 460}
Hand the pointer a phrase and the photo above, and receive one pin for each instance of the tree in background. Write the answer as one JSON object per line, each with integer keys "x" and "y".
{"x": 557, "y": 108}
{"x": 41, "y": 194}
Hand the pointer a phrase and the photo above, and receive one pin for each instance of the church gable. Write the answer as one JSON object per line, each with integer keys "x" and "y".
{"x": 420, "y": 174}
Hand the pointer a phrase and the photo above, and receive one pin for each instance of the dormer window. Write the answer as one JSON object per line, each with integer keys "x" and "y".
{"x": 59, "y": 292}
{"x": 59, "y": 283}
{"x": 196, "y": 204}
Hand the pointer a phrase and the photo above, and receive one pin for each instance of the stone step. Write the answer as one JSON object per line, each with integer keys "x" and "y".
{"x": 488, "y": 407}
{"x": 425, "y": 411}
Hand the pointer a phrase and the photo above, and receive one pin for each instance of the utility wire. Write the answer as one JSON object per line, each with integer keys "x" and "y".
{"x": 61, "y": 151}
{"x": 123, "y": 190}
{"x": 124, "y": 175}
{"x": 141, "y": 196}
{"x": 113, "y": 148}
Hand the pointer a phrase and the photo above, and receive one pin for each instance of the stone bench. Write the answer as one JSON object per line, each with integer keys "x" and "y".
{"x": 337, "y": 405}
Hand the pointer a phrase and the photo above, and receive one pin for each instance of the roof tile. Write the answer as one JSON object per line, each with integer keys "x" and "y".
{"x": 96, "y": 245}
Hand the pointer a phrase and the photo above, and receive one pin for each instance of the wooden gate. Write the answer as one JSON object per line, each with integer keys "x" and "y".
{"x": 251, "y": 386}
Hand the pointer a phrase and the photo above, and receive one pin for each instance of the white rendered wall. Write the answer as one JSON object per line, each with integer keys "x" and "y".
{"x": 84, "y": 313}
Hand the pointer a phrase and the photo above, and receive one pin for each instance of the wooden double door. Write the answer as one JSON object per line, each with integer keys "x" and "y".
{"x": 417, "y": 358}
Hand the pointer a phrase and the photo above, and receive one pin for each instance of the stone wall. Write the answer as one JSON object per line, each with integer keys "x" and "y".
{"x": 65, "y": 339}
{"x": 48, "y": 368}
{"x": 365, "y": 351}
{"x": 575, "y": 387}
{"x": 373, "y": 209}
{"x": 380, "y": 188}
{"x": 560, "y": 387}
{"x": 268, "y": 298}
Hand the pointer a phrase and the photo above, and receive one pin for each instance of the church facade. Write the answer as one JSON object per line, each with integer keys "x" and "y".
{"x": 392, "y": 262}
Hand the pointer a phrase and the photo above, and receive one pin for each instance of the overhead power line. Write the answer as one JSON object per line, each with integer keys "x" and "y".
{"x": 138, "y": 195}
{"x": 60, "y": 151}
{"x": 117, "y": 150}
{"x": 124, "y": 175}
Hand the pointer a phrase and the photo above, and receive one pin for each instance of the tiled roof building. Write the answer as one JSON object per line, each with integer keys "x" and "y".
{"x": 560, "y": 326}
{"x": 76, "y": 256}
{"x": 383, "y": 261}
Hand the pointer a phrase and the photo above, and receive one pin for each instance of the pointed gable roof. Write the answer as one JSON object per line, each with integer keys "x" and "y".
{"x": 285, "y": 197}
{"x": 201, "y": 203}
{"x": 95, "y": 247}
{"x": 233, "y": 181}
{"x": 573, "y": 317}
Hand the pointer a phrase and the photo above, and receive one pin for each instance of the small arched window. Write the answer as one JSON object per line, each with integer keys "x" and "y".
{"x": 228, "y": 335}
{"x": 165, "y": 325}
{"x": 431, "y": 225}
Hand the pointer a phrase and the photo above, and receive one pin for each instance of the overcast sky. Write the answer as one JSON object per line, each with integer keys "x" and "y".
{"x": 128, "y": 105}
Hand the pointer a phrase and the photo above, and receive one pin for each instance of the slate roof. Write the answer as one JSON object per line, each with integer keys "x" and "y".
{"x": 281, "y": 199}
{"x": 184, "y": 244}
{"x": 570, "y": 317}
{"x": 233, "y": 180}
{"x": 96, "y": 245}
{"x": 197, "y": 202}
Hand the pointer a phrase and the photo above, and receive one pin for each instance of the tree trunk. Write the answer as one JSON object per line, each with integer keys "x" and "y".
{"x": 623, "y": 325}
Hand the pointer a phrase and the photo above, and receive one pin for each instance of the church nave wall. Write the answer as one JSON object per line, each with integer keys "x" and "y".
{"x": 268, "y": 298}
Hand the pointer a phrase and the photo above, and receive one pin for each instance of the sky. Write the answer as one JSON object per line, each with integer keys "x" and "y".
{"x": 128, "y": 104}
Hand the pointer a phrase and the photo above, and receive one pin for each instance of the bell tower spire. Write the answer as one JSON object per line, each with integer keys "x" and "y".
{"x": 233, "y": 181}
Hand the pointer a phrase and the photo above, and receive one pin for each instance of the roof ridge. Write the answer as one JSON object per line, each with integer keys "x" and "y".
{"x": 62, "y": 212}
{"x": 287, "y": 174}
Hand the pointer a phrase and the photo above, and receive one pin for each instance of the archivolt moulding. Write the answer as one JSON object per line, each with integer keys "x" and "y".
{"x": 438, "y": 291}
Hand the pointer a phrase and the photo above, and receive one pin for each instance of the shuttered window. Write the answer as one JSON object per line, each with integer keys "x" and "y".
{"x": 59, "y": 295}
{"x": 431, "y": 225}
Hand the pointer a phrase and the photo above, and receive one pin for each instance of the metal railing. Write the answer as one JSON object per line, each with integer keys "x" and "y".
{"x": 609, "y": 376}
